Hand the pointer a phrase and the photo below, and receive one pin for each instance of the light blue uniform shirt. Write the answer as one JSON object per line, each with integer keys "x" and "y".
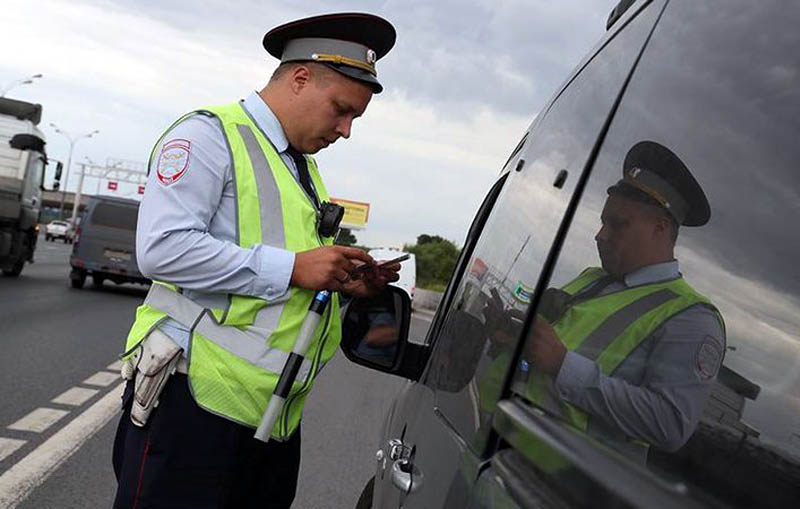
{"x": 186, "y": 231}
{"x": 659, "y": 391}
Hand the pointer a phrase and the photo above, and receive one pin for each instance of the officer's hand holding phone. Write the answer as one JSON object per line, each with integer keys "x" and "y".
{"x": 367, "y": 280}
{"x": 327, "y": 267}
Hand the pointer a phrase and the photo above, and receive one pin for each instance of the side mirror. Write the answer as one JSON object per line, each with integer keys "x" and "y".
{"x": 59, "y": 168}
{"x": 27, "y": 142}
{"x": 375, "y": 334}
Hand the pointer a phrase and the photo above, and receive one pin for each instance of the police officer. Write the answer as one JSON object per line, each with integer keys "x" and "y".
{"x": 629, "y": 352}
{"x": 236, "y": 231}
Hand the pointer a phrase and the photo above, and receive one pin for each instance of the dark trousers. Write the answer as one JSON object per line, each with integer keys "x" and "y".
{"x": 187, "y": 457}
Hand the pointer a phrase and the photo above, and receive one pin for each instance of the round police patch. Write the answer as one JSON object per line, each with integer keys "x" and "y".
{"x": 173, "y": 161}
{"x": 709, "y": 359}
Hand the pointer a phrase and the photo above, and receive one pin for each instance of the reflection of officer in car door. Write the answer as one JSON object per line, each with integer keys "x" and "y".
{"x": 629, "y": 352}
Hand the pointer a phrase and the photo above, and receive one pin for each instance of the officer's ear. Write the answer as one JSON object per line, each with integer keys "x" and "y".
{"x": 663, "y": 226}
{"x": 299, "y": 78}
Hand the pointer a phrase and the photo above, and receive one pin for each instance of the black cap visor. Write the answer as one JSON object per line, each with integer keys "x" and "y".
{"x": 357, "y": 74}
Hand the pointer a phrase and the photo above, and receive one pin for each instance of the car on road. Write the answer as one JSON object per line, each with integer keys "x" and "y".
{"x": 105, "y": 243}
{"x": 58, "y": 230}
{"x": 718, "y": 83}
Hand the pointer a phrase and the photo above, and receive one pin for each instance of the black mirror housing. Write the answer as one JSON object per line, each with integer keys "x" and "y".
{"x": 27, "y": 142}
{"x": 375, "y": 334}
{"x": 57, "y": 171}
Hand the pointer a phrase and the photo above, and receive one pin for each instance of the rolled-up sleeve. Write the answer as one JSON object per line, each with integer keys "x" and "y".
{"x": 665, "y": 408}
{"x": 173, "y": 239}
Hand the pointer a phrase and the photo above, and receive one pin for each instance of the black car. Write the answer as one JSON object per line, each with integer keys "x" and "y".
{"x": 718, "y": 83}
{"x": 105, "y": 243}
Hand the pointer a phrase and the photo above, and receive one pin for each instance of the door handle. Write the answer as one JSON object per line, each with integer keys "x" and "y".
{"x": 406, "y": 477}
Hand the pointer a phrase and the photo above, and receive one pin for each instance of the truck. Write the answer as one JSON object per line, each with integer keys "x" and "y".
{"x": 22, "y": 165}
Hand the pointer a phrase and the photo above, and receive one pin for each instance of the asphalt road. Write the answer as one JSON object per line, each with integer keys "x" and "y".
{"x": 58, "y": 374}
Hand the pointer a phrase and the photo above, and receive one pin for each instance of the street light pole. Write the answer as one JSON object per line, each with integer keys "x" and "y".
{"x": 77, "y": 201}
{"x": 72, "y": 142}
{"x": 66, "y": 174}
{"x": 25, "y": 81}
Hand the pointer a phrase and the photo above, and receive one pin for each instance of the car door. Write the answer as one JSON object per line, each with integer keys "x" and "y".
{"x": 441, "y": 427}
{"x": 718, "y": 84}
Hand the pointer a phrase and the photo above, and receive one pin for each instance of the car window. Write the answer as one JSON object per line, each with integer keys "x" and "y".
{"x": 705, "y": 392}
{"x": 115, "y": 216}
{"x": 476, "y": 340}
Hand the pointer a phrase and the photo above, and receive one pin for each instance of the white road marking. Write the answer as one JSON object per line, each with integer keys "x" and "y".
{"x": 102, "y": 379}
{"x": 39, "y": 420}
{"x": 19, "y": 480}
{"x": 115, "y": 366}
{"x": 76, "y": 396}
{"x": 8, "y": 446}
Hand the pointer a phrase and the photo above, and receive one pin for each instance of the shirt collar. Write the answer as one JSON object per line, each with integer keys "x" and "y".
{"x": 266, "y": 120}
{"x": 653, "y": 273}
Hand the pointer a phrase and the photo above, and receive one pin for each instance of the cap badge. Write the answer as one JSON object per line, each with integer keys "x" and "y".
{"x": 371, "y": 56}
{"x": 634, "y": 173}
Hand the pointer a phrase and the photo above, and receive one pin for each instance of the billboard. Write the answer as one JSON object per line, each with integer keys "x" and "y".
{"x": 356, "y": 213}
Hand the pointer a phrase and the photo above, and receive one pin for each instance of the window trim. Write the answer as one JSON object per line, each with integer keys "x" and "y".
{"x": 474, "y": 233}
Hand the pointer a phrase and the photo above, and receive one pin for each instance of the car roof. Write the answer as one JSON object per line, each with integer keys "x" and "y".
{"x": 114, "y": 199}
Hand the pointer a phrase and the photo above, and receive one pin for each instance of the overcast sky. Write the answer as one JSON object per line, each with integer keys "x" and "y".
{"x": 462, "y": 84}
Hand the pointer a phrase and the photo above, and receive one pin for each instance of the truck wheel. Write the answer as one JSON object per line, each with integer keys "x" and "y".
{"x": 365, "y": 500}
{"x": 15, "y": 270}
{"x": 77, "y": 278}
{"x": 47, "y": 238}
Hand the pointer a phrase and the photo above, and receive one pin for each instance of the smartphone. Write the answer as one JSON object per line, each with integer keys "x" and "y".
{"x": 366, "y": 267}
{"x": 394, "y": 260}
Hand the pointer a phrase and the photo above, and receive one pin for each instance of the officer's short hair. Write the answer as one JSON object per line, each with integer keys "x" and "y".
{"x": 635, "y": 194}
{"x": 318, "y": 71}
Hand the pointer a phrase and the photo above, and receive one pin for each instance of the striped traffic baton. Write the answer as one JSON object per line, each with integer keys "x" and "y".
{"x": 292, "y": 366}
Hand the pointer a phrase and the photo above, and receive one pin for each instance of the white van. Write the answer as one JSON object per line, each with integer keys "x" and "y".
{"x": 408, "y": 268}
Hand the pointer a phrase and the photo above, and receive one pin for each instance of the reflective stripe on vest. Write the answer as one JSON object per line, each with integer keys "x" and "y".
{"x": 613, "y": 326}
{"x": 236, "y": 354}
{"x": 241, "y": 343}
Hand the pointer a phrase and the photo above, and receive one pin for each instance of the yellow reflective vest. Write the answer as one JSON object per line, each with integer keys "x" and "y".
{"x": 236, "y": 354}
{"x": 608, "y": 328}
